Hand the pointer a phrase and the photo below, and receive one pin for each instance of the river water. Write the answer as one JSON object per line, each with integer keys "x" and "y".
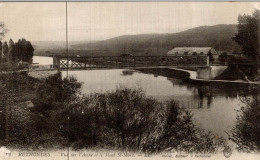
{"x": 213, "y": 108}
{"x": 43, "y": 60}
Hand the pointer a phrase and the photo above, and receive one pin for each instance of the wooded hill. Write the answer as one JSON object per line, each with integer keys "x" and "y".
{"x": 218, "y": 36}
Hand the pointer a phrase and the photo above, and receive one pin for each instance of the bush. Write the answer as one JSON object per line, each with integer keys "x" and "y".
{"x": 127, "y": 119}
{"x": 178, "y": 133}
{"x": 26, "y": 130}
{"x": 117, "y": 119}
{"x": 31, "y": 127}
{"x": 57, "y": 90}
{"x": 20, "y": 127}
{"x": 246, "y": 133}
{"x": 18, "y": 82}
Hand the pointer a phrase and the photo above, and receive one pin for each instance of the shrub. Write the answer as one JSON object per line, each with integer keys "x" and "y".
{"x": 55, "y": 89}
{"x": 127, "y": 119}
{"x": 20, "y": 127}
{"x": 18, "y": 82}
{"x": 178, "y": 133}
{"x": 246, "y": 133}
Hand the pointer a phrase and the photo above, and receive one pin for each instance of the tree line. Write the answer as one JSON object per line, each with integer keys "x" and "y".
{"x": 22, "y": 50}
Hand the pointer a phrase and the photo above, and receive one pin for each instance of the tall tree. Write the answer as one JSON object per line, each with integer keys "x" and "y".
{"x": 1, "y": 49}
{"x": 5, "y": 50}
{"x": 11, "y": 54}
{"x": 18, "y": 50}
{"x": 248, "y": 34}
{"x": 24, "y": 50}
{"x": 28, "y": 51}
{"x": 3, "y": 30}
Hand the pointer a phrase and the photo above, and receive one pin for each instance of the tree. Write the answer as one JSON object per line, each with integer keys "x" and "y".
{"x": 11, "y": 50}
{"x": 246, "y": 133}
{"x": 1, "y": 48}
{"x": 3, "y": 30}
{"x": 28, "y": 51}
{"x": 57, "y": 89}
{"x": 248, "y": 32}
{"x": 23, "y": 50}
{"x": 223, "y": 57}
{"x": 5, "y": 50}
{"x": 18, "y": 50}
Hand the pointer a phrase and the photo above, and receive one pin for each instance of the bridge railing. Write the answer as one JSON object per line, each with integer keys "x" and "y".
{"x": 130, "y": 61}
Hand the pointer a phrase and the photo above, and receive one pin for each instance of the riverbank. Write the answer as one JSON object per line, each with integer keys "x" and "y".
{"x": 42, "y": 74}
{"x": 190, "y": 76}
{"x": 193, "y": 78}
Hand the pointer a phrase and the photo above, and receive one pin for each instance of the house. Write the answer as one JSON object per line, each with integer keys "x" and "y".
{"x": 193, "y": 51}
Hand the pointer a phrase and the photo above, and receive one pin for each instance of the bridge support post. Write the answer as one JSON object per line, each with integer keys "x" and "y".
{"x": 56, "y": 63}
{"x": 110, "y": 62}
{"x": 208, "y": 61}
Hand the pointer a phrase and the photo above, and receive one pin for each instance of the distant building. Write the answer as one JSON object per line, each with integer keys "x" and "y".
{"x": 192, "y": 51}
{"x": 193, "y": 55}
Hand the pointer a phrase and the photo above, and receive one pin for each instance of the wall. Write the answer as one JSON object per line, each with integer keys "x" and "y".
{"x": 210, "y": 72}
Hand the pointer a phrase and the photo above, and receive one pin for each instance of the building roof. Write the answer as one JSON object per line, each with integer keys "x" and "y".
{"x": 191, "y": 50}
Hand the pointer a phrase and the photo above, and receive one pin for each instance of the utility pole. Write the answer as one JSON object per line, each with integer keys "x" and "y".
{"x": 67, "y": 52}
{"x": 67, "y": 49}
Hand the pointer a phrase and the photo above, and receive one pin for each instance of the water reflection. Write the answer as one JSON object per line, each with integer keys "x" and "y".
{"x": 127, "y": 72}
{"x": 200, "y": 93}
{"x": 205, "y": 92}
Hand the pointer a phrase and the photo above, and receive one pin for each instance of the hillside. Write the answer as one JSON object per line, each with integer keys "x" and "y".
{"x": 218, "y": 36}
{"x": 48, "y": 45}
{"x": 53, "y": 47}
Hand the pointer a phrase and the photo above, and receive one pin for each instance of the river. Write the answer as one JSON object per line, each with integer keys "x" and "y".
{"x": 43, "y": 60}
{"x": 213, "y": 109}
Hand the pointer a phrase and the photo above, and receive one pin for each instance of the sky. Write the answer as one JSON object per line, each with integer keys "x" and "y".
{"x": 46, "y": 21}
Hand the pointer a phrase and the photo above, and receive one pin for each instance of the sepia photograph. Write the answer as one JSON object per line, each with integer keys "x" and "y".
{"x": 136, "y": 80}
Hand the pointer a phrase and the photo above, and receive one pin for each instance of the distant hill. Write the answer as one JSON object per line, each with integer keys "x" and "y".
{"x": 53, "y": 47}
{"x": 48, "y": 45}
{"x": 218, "y": 36}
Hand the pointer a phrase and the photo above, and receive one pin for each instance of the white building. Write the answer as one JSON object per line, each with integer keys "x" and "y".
{"x": 193, "y": 51}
